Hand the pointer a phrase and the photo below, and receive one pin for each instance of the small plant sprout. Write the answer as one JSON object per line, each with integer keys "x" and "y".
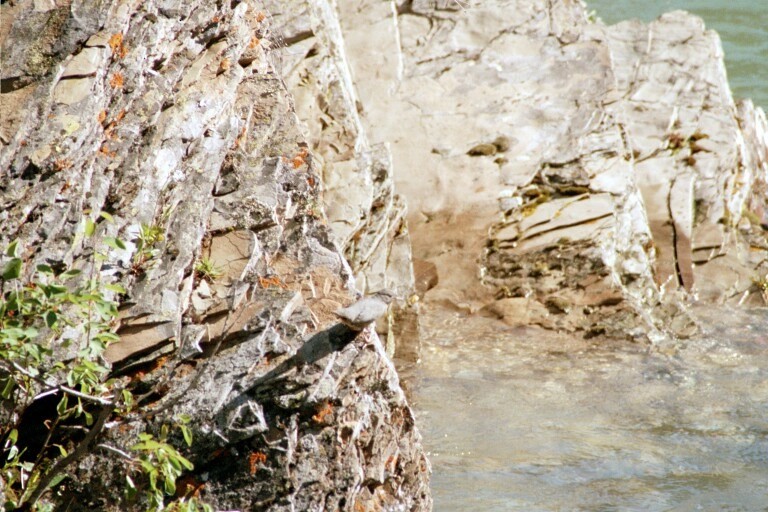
{"x": 206, "y": 269}
{"x": 149, "y": 235}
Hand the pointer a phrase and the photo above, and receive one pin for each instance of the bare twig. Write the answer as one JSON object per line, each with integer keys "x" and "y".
{"x": 84, "y": 396}
{"x": 65, "y": 389}
{"x": 115, "y": 450}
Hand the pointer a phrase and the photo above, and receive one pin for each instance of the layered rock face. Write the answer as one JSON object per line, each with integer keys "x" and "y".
{"x": 598, "y": 177}
{"x": 168, "y": 126}
{"x": 366, "y": 216}
{"x": 557, "y": 172}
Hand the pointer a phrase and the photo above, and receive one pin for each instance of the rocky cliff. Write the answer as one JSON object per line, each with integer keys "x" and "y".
{"x": 227, "y": 173}
{"x": 156, "y": 148}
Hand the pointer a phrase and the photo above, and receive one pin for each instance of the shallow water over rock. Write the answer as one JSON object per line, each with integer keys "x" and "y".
{"x": 525, "y": 419}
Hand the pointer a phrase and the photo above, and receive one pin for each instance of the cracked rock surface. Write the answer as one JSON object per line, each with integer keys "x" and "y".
{"x": 593, "y": 178}
{"x": 175, "y": 115}
{"x": 560, "y": 172}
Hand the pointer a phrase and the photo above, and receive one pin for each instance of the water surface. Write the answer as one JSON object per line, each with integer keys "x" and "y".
{"x": 526, "y": 420}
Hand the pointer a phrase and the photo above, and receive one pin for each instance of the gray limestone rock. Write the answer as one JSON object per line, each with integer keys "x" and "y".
{"x": 173, "y": 118}
{"x": 627, "y": 168}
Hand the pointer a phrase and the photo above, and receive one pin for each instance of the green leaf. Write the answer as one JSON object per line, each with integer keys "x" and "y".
{"x": 127, "y": 398}
{"x": 114, "y": 243}
{"x": 115, "y": 288}
{"x": 131, "y": 485}
{"x": 50, "y": 319}
{"x": 170, "y": 486}
{"x": 12, "y": 269}
{"x": 14, "y": 333}
{"x": 71, "y": 273}
{"x": 147, "y": 445}
{"x": 54, "y": 289}
{"x": 186, "y": 463}
{"x": 56, "y": 480}
{"x": 107, "y": 337}
{"x": 10, "y": 384}
{"x": 148, "y": 467}
{"x": 13, "y": 436}
{"x": 105, "y": 309}
{"x": 31, "y": 333}
{"x": 62, "y": 450}
{"x": 90, "y": 227}
{"x": 187, "y": 433}
{"x": 153, "y": 480}
{"x": 88, "y": 418}
{"x": 107, "y": 217}
{"x": 44, "y": 269}
{"x": 175, "y": 464}
{"x": 12, "y": 249}
{"x": 61, "y": 407}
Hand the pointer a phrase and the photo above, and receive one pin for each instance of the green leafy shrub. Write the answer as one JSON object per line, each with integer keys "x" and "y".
{"x": 54, "y": 329}
{"x": 161, "y": 464}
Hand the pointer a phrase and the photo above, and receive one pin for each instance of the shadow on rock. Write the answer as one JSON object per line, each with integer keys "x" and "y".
{"x": 322, "y": 344}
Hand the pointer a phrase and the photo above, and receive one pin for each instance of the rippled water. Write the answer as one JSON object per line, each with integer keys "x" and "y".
{"x": 742, "y": 25}
{"x": 527, "y": 420}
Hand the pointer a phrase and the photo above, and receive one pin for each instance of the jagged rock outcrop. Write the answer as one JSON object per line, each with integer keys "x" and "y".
{"x": 173, "y": 118}
{"x": 558, "y": 172}
{"x": 364, "y": 213}
{"x": 699, "y": 159}
{"x": 627, "y": 181}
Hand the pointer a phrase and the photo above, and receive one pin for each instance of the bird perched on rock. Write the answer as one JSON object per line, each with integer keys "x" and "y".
{"x": 364, "y": 312}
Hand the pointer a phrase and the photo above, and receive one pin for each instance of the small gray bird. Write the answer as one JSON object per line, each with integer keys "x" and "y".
{"x": 364, "y": 312}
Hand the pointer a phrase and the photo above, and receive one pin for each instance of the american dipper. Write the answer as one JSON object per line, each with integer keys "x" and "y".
{"x": 364, "y": 312}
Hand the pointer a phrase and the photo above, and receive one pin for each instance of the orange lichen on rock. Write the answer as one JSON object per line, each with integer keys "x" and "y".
{"x": 62, "y": 164}
{"x": 254, "y": 459}
{"x": 240, "y": 138}
{"x": 224, "y": 65}
{"x": 117, "y": 80}
{"x": 109, "y": 129}
{"x": 116, "y": 44}
{"x": 104, "y": 150}
{"x": 270, "y": 282}
{"x": 323, "y": 412}
{"x": 300, "y": 158}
